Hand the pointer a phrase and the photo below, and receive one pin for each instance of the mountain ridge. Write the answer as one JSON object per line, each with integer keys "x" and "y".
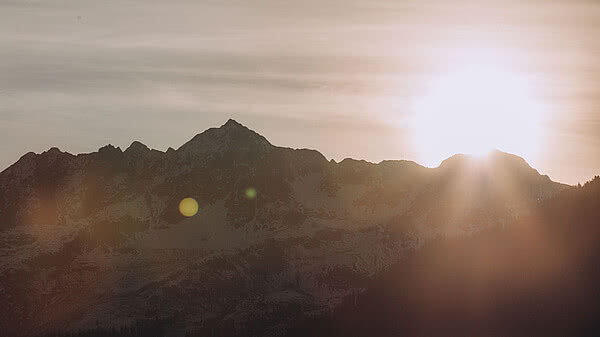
{"x": 275, "y": 226}
{"x": 232, "y": 126}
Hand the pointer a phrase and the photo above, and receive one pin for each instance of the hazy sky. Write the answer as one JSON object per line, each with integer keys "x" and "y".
{"x": 338, "y": 76}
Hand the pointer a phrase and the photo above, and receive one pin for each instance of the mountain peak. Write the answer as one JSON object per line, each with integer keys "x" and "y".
{"x": 137, "y": 148}
{"x": 506, "y": 157}
{"x": 457, "y": 160}
{"x": 494, "y": 158}
{"x": 109, "y": 148}
{"x": 497, "y": 164}
{"x": 53, "y": 150}
{"x": 232, "y": 123}
{"x": 109, "y": 152}
{"x": 230, "y": 136}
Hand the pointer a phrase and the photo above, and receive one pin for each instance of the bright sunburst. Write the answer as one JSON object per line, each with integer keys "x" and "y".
{"x": 474, "y": 110}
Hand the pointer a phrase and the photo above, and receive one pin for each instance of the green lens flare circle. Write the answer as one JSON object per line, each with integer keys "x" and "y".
{"x": 251, "y": 193}
{"x": 188, "y": 207}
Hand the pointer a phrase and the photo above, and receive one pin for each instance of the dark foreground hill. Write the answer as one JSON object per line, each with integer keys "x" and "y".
{"x": 540, "y": 276}
{"x": 95, "y": 242}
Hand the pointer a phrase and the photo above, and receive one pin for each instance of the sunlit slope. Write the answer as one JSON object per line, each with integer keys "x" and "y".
{"x": 536, "y": 276}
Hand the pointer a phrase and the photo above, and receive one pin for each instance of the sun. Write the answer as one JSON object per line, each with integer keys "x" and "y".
{"x": 474, "y": 110}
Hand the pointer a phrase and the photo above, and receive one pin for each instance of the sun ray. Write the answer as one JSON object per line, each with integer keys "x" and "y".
{"x": 474, "y": 110}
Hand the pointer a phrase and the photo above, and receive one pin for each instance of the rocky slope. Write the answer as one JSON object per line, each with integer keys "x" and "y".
{"x": 97, "y": 239}
{"x": 538, "y": 277}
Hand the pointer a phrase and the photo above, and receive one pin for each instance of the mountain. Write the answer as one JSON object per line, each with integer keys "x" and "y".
{"x": 95, "y": 241}
{"x": 538, "y": 277}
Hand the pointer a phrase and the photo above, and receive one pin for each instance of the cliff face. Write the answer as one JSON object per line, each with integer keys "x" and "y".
{"x": 98, "y": 239}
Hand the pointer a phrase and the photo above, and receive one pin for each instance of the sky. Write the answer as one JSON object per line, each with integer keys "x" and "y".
{"x": 344, "y": 77}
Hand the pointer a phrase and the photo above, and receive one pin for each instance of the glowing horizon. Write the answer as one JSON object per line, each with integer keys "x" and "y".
{"x": 474, "y": 110}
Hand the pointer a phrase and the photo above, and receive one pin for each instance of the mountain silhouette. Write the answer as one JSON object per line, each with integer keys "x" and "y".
{"x": 96, "y": 241}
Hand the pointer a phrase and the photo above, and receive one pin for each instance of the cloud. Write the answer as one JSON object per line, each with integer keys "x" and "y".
{"x": 79, "y": 74}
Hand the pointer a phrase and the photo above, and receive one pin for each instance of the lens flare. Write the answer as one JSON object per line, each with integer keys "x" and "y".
{"x": 188, "y": 207}
{"x": 251, "y": 193}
